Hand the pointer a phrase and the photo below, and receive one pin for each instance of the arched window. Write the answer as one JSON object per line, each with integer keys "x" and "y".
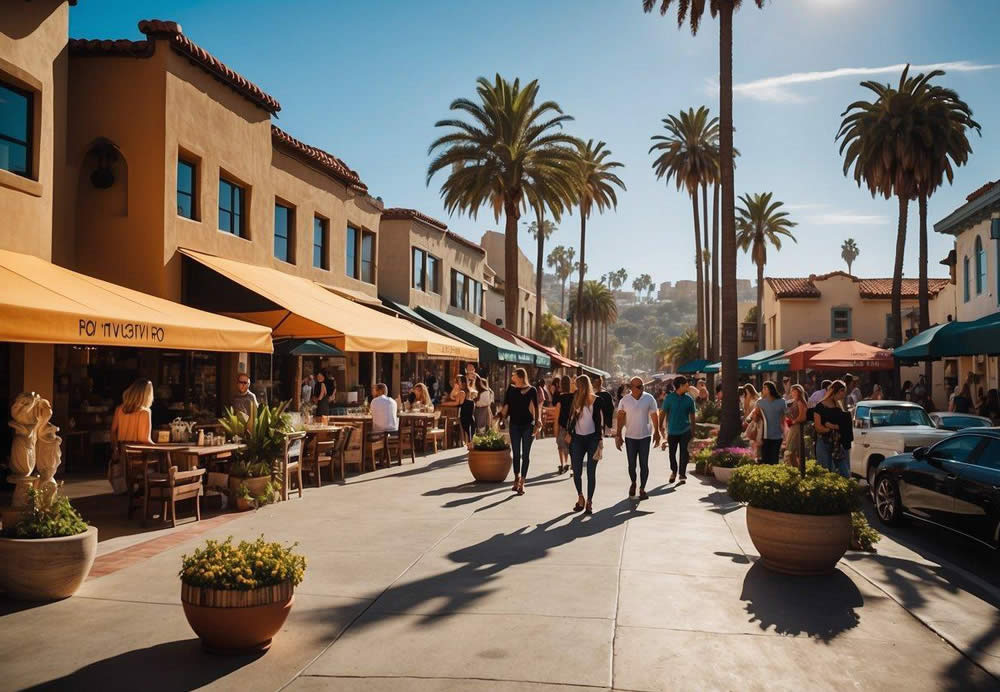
{"x": 980, "y": 266}
{"x": 965, "y": 278}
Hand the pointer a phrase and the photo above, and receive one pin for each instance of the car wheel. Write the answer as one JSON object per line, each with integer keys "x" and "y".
{"x": 887, "y": 505}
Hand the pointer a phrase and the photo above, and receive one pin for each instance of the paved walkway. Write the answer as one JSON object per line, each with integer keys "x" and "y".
{"x": 419, "y": 580}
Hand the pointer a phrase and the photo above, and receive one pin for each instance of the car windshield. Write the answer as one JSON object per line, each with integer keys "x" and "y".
{"x": 899, "y": 415}
{"x": 962, "y": 422}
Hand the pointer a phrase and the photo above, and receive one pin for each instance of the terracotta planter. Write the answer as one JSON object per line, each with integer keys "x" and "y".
{"x": 237, "y": 622}
{"x": 256, "y": 486}
{"x": 799, "y": 543}
{"x": 490, "y": 466}
{"x": 243, "y": 504}
{"x": 46, "y": 569}
{"x": 722, "y": 474}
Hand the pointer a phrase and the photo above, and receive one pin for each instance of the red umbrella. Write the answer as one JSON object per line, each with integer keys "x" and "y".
{"x": 852, "y": 355}
{"x": 798, "y": 357}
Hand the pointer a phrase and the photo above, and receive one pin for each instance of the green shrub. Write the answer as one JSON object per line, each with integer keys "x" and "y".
{"x": 701, "y": 467}
{"x": 709, "y": 412}
{"x": 489, "y": 441}
{"x": 249, "y": 565}
{"x": 780, "y": 488}
{"x": 263, "y": 432}
{"x": 55, "y": 520}
{"x": 863, "y": 536}
{"x": 731, "y": 457}
{"x": 243, "y": 468}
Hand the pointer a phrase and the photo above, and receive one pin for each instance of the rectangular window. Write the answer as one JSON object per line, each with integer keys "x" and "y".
{"x": 433, "y": 274}
{"x": 965, "y": 279}
{"x": 477, "y": 297}
{"x": 459, "y": 295}
{"x": 351, "y": 267}
{"x": 368, "y": 257}
{"x": 186, "y": 187}
{"x": 231, "y": 201}
{"x": 284, "y": 233}
{"x": 321, "y": 240}
{"x": 16, "y": 123}
{"x": 419, "y": 257}
{"x": 840, "y": 319}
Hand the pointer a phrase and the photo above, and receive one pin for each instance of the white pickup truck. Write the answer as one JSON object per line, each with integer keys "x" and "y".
{"x": 883, "y": 429}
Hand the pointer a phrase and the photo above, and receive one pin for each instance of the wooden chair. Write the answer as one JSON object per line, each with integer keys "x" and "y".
{"x": 178, "y": 486}
{"x": 434, "y": 434}
{"x": 377, "y": 442}
{"x": 291, "y": 462}
{"x": 400, "y": 441}
{"x": 138, "y": 476}
{"x": 340, "y": 451}
{"x": 321, "y": 454}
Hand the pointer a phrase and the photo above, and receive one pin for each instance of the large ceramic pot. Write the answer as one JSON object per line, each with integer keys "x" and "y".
{"x": 799, "y": 543}
{"x": 722, "y": 474}
{"x": 490, "y": 466}
{"x": 46, "y": 569}
{"x": 256, "y": 486}
{"x": 236, "y": 622}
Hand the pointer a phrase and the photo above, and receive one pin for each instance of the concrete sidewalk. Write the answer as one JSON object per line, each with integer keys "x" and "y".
{"x": 420, "y": 580}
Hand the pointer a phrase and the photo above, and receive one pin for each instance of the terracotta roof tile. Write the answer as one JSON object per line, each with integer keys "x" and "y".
{"x": 327, "y": 161}
{"x": 981, "y": 191}
{"x": 399, "y": 213}
{"x": 792, "y": 287}
{"x": 882, "y": 288}
{"x": 805, "y": 287}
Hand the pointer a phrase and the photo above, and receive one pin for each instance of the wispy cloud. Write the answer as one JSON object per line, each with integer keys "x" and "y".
{"x": 840, "y": 219}
{"x": 779, "y": 89}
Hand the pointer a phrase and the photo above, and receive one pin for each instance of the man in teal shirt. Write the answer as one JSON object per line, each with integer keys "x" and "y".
{"x": 678, "y": 414}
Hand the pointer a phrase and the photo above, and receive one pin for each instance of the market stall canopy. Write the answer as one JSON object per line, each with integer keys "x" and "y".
{"x": 306, "y": 347}
{"x": 712, "y": 368}
{"x": 43, "y": 303}
{"x": 492, "y": 348}
{"x": 542, "y": 359}
{"x": 852, "y": 355}
{"x": 798, "y": 357}
{"x": 558, "y": 359}
{"x": 773, "y": 365}
{"x": 693, "y": 366}
{"x": 748, "y": 362}
{"x": 979, "y": 337}
{"x": 302, "y": 309}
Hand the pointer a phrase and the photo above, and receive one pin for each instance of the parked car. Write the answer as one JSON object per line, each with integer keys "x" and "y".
{"x": 883, "y": 429}
{"x": 946, "y": 420}
{"x": 954, "y": 483}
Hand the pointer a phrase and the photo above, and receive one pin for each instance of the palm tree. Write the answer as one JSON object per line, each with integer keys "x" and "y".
{"x": 512, "y": 139}
{"x": 683, "y": 348}
{"x": 553, "y": 332}
{"x": 642, "y": 284}
{"x": 761, "y": 222}
{"x": 561, "y": 260}
{"x": 596, "y": 182}
{"x": 597, "y": 308}
{"x": 541, "y": 230}
{"x": 849, "y": 251}
{"x": 689, "y": 155}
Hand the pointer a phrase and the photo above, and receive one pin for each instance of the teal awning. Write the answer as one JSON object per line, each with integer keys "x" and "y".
{"x": 979, "y": 337}
{"x": 773, "y": 365}
{"x": 306, "y": 347}
{"x": 492, "y": 348}
{"x": 694, "y": 366}
{"x": 746, "y": 364}
{"x": 712, "y": 367}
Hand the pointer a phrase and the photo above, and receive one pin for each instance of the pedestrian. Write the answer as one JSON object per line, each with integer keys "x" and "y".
{"x": 770, "y": 414}
{"x": 637, "y": 419}
{"x": 819, "y": 394}
{"x": 678, "y": 418}
{"x": 753, "y": 429}
{"x": 586, "y": 426}
{"x": 877, "y": 394}
{"x": 702, "y": 397}
{"x": 854, "y": 395}
{"x": 786, "y": 388}
{"x": 484, "y": 404}
{"x": 563, "y": 403}
{"x": 605, "y": 405}
{"x": 828, "y": 418}
{"x": 544, "y": 395}
{"x": 849, "y": 384}
{"x": 797, "y": 414}
{"x": 319, "y": 395}
{"x": 619, "y": 394}
{"x": 467, "y": 411}
{"x": 962, "y": 403}
{"x": 906, "y": 390}
{"x": 520, "y": 406}
{"x": 919, "y": 391}
{"x": 305, "y": 393}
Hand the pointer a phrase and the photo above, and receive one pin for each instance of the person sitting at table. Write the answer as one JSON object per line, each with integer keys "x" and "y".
{"x": 132, "y": 422}
{"x": 385, "y": 415}
{"x": 244, "y": 399}
{"x": 419, "y": 399}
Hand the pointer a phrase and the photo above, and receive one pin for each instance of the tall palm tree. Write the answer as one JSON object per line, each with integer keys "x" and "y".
{"x": 541, "y": 230}
{"x": 849, "y": 252}
{"x": 597, "y": 309}
{"x": 553, "y": 332}
{"x": 596, "y": 183}
{"x": 561, "y": 260}
{"x": 692, "y": 12}
{"x": 688, "y": 155}
{"x": 760, "y": 222}
{"x": 510, "y": 139}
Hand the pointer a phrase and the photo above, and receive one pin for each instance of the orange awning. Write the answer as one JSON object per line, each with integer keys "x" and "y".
{"x": 42, "y": 303}
{"x": 307, "y": 310}
{"x": 853, "y": 355}
{"x": 798, "y": 357}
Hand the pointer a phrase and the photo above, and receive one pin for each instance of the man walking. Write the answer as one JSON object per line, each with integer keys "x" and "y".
{"x": 678, "y": 415}
{"x": 637, "y": 419}
{"x": 605, "y": 404}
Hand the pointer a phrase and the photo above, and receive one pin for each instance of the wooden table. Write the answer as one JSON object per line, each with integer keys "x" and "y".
{"x": 211, "y": 454}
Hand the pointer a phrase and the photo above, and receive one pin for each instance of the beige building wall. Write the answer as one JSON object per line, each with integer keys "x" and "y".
{"x": 493, "y": 243}
{"x": 987, "y": 301}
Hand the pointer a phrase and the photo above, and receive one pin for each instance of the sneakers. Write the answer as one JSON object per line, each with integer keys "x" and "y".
{"x": 673, "y": 476}
{"x": 631, "y": 492}
{"x": 643, "y": 495}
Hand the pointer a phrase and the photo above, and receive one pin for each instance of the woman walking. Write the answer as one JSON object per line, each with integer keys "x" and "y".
{"x": 753, "y": 430}
{"x": 586, "y": 428}
{"x": 770, "y": 413}
{"x": 796, "y": 419}
{"x": 520, "y": 406}
{"x": 467, "y": 411}
{"x": 832, "y": 440}
{"x": 484, "y": 405}
{"x": 563, "y": 404}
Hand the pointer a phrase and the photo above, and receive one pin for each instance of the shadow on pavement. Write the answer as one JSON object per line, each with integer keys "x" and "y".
{"x": 964, "y": 674}
{"x": 168, "y": 667}
{"x": 721, "y": 502}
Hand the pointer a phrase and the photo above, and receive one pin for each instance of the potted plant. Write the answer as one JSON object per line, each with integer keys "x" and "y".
{"x": 800, "y": 525}
{"x": 48, "y": 553}
{"x": 237, "y": 597}
{"x": 701, "y": 457}
{"x": 263, "y": 432}
{"x": 724, "y": 461}
{"x": 489, "y": 458}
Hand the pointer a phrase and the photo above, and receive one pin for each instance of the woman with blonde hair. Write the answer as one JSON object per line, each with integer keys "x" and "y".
{"x": 586, "y": 427}
{"x": 753, "y": 427}
{"x": 797, "y": 413}
{"x": 132, "y": 421}
{"x": 484, "y": 404}
{"x": 420, "y": 399}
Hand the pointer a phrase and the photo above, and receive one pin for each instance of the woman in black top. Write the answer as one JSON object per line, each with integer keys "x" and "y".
{"x": 563, "y": 403}
{"x": 962, "y": 403}
{"x": 520, "y": 404}
{"x": 467, "y": 411}
{"x": 320, "y": 395}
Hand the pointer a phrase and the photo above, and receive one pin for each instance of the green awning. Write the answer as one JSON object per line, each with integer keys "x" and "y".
{"x": 979, "y": 337}
{"x": 693, "y": 366}
{"x": 773, "y": 365}
{"x": 746, "y": 364}
{"x": 306, "y": 347}
{"x": 492, "y": 348}
{"x": 712, "y": 367}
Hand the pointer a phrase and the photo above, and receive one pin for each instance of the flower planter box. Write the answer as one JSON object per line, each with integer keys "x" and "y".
{"x": 237, "y": 622}
{"x": 491, "y": 466}
{"x": 800, "y": 544}
{"x": 46, "y": 569}
{"x": 722, "y": 473}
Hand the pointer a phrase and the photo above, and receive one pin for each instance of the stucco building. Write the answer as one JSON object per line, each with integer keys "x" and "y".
{"x": 493, "y": 243}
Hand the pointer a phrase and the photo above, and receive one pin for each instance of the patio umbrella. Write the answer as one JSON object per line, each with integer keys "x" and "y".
{"x": 798, "y": 357}
{"x": 852, "y": 355}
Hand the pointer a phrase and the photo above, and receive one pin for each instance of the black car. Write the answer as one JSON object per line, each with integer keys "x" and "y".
{"x": 955, "y": 484}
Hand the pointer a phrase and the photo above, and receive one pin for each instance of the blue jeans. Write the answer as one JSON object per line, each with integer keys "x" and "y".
{"x": 824, "y": 455}
{"x": 521, "y": 437}
{"x": 640, "y": 449}
{"x": 581, "y": 446}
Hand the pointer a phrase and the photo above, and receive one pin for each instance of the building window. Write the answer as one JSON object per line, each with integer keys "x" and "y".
{"x": 419, "y": 277}
{"x": 321, "y": 241}
{"x": 284, "y": 233}
{"x": 840, "y": 323}
{"x": 980, "y": 266}
{"x": 16, "y": 123}
{"x": 433, "y": 274}
{"x": 351, "y": 267}
{"x": 477, "y": 298}
{"x": 232, "y": 197}
{"x": 186, "y": 189}
{"x": 459, "y": 290}
{"x": 521, "y": 330}
{"x": 368, "y": 257}
{"x": 965, "y": 278}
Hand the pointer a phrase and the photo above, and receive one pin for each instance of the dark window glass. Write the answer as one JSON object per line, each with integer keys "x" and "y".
{"x": 477, "y": 298}
{"x": 283, "y": 237}
{"x": 15, "y": 130}
{"x": 368, "y": 257}
{"x": 351, "y": 267}
{"x": 990, "y": 456}
{"x": 957, "y": 448}
{"x": 965, "y": 279}
{"x": 457, "y": 289}
{"x": 230, "y": 207}
{"x": 185, "y": 189}
{"x": 418, "y": 269}
{"x": 980, "y": 266}
{"x": 841, "y": 318}
{"x": 320, "y": 241}
{"x": 433, "y": 274}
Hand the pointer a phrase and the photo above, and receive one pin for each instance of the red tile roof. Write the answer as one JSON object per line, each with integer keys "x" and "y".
{"x": 981, "y": 191}
{"x": 805, "y": 287}
{"x": 171, "y": 31}
{"x": 882, "y": 288}
{"x": 792, "y": 288}
{"x": 401, "y": 214}
{"x": 327, "y": 161}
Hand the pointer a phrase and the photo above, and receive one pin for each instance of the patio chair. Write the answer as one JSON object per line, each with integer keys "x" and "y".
{"x": 377, "y": 442}
{"x": 177, "y": 486}
{"x": 434, "y": 434}
{"x": 400, "y": 441}
{"x": 291, "y": 462}
{"x": 340, "y": 452}
{"x": 138, "y": 477}
{"x": 321, "y": 454}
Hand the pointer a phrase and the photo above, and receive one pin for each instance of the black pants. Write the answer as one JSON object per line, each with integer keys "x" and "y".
{"x": 638, "y": 449}
{"x": 584, "y": 445}
{"x": 682, "y": 441}
{"x": 770, "y": 451}
{"x": 521, "y": 437}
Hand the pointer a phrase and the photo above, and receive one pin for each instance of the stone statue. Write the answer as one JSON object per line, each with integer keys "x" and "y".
{"x": 48, "y": 453}
{"x": 36, "y": 444}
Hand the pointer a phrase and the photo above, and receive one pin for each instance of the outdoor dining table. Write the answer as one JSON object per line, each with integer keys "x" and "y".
{"x": 364, "y": 420}
{"x": 210, "y": 455}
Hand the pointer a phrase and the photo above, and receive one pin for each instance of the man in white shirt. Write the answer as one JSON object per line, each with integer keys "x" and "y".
{"x": 385, "y": 416}
{"x": 637, "y": 419}
{"x": 819, "y": 394}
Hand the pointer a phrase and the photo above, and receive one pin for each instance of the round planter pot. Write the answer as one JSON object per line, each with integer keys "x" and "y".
{"x": 237, "y": 622}
{"x": 799, "y": 544}
{"x": 722, "y": 474}
{"x": 46, "y": 569}
{"x": 490, "y": 466}
{"x": 256, "y": 486}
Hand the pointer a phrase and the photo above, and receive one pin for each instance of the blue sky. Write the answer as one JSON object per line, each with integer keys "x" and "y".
{"x": 367, "y": 79}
